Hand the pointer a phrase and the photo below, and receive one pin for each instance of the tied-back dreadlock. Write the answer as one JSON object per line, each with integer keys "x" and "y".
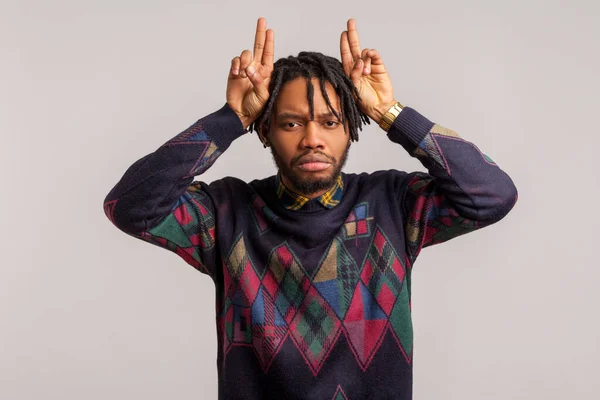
{"x": 326, "y": 69}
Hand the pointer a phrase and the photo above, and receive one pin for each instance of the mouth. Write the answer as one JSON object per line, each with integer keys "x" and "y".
{"x": 314, "y": 166}
{"x": 313, "y": 163}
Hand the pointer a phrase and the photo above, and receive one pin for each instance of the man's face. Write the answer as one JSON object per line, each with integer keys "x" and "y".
{"x": 309, "y": 154}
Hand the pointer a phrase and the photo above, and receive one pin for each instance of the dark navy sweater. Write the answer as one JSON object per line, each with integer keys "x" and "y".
{"x": 313, "y": 303}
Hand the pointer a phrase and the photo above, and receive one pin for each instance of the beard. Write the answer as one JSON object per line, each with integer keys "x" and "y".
{"x": 309, "y": 186}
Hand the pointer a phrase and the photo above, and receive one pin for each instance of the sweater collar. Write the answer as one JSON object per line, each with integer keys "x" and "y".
{"x": 294, "y": 201}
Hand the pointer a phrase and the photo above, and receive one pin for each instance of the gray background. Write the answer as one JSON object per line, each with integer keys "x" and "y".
{"x": 88, "y": 87}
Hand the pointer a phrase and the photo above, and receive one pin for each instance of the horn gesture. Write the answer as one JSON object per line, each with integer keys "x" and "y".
{"x": 249, "y": 76}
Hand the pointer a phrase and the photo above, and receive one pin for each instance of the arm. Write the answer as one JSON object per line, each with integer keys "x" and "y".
{"x": 157, "y": 201}
{"x": 463, "y": 191}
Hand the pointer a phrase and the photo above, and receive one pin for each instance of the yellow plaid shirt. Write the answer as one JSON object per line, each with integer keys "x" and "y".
{"x": 294, "y": 201}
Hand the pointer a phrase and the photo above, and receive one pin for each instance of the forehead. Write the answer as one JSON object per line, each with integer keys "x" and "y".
{"x": 293, "y": 96}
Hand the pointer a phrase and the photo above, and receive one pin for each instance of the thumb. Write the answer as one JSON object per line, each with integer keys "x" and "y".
{"x": 257, "y": 80}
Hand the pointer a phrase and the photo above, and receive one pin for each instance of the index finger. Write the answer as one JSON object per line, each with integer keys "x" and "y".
{"x": 353, "y": 39}
{"x": 259, "y": 38}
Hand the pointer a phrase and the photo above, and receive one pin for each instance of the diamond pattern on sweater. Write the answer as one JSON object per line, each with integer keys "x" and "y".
{"x": 208, "y": 157}
{"x": 401, "y": 322}
{"x": 382, "y": 271}
{"x": 365, "y": 325}
{"x": 190, "y": 229}
{"x": 429, "y": 149}
{"x": 315, "y": 329}
{"x": 336, "y": 277}
{"x": 241, "y": 288}
{"x": 262, "y": 310}
{"x": 339, "y": 394}
{"x": 286, "y": 281}
{"x": 208, "y": 151}
{"x": 269, "y": 329}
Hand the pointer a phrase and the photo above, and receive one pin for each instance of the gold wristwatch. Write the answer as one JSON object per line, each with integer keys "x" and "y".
{"x": 388, "y": 118}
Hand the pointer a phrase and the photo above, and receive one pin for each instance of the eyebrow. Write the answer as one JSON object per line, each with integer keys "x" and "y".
{"x": 294, "y": 115}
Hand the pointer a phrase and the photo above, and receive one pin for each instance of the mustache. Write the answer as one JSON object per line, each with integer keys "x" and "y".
{"x": 310, "y": 152}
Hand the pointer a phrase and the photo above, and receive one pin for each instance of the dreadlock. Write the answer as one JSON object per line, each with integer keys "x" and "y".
{"x": 325, "y": 69}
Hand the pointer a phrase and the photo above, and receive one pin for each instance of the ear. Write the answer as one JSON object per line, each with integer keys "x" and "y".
{"x": 263, "y": 135}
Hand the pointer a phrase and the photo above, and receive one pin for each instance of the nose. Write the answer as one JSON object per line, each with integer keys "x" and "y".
{"x": 313, "y": 137}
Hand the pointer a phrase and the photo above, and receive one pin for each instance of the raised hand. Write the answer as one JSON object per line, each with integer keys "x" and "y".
{"x": 249, "y": 76}
{"x": 366, "y": 70}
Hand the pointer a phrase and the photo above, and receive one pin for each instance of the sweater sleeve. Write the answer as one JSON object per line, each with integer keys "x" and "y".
{"x": 157, "y": 201}
{"x": 464, "y": 189}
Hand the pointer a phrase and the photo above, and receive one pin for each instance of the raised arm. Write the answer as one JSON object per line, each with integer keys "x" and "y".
{"x": 157, "y": 200}
{"x": 464, "y": 189}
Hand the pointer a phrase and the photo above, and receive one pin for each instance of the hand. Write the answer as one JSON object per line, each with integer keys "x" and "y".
{"x": 249, "y": 76}
{"x": 366, "y": 70}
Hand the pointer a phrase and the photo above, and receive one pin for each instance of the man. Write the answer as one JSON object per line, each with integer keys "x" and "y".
{"x": 312, "y": 267}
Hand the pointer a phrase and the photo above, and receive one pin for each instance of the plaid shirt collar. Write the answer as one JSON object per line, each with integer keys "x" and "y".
{"x": 293, "y": 201}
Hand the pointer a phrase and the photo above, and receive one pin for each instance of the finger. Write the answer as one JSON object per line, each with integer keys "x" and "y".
{"x": 367, "y": 61}
{"x": 235, "y": 67}
{"x": 377, "y": 66}
{"x": 353, "y": 39}
{"x": 375, "y": 57}
{"x": 259, "y": 38}
{"x": 356, "y": 72}
{"x": 367, "y": 66}
{"x": 269, "y": 52}
{"x": 246, "y": 59}
{"x": 257, "y": 80}
{"x": 345, "y": 53}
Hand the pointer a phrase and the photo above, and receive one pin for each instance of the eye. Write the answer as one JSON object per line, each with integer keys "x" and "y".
{"x": 290, "y": 125}
{"x": 331, "y": 124}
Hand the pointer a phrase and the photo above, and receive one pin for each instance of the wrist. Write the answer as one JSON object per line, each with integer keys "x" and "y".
{"x": 389, "y": 116}
{"x": 379, "y": 111}
{"x": 246, "y": 122}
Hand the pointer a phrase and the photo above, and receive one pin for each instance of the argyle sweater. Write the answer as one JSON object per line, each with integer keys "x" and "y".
{"x": 312, "y": 301}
